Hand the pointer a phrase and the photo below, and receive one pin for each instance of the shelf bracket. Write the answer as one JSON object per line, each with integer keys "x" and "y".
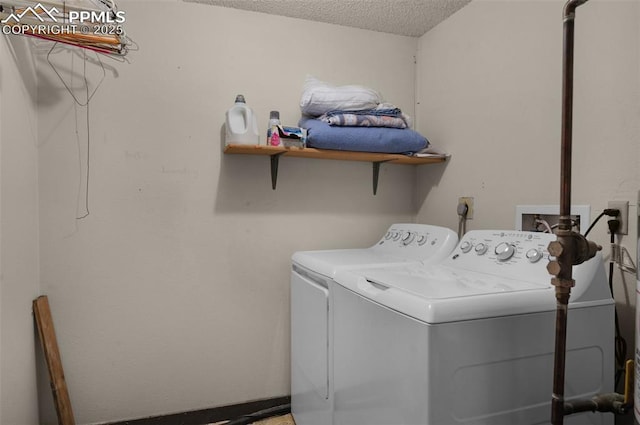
{"x": 275, "y": 158}
{"x": 376, "y": 174}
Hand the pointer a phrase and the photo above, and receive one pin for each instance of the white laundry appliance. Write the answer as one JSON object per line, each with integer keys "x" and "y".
{"x": 311, "y": 307}
{"x": 469, "y": 340}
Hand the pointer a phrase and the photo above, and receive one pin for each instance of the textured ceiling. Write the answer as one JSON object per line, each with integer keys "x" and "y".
{"x": 403, "y": 17}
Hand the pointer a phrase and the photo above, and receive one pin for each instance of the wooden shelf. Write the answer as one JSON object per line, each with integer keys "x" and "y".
{"x": 330, "y": 154}
{"x": 274, "y": 152}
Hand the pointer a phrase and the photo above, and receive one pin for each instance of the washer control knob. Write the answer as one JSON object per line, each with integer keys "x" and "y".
{"x": 481, "y": 248}
{"x": 396, "y": 236}
{"x": 534, "y": 255}
{"x": 422, "y": 239}
{"x": 504, "y": 251}
{"x": 465, "y": 246}
{"x": 408, "y": 238}
{"x": 388, "y": 235}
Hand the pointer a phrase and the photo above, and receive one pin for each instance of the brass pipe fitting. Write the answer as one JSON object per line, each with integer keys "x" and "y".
{"x": 569, "y": 249}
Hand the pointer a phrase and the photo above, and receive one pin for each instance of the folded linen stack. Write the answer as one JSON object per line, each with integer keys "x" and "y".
{"x": 355, "y": 118}
{"x": 384, "y": 115}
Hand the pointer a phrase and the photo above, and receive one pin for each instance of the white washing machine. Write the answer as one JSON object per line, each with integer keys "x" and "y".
{"x": 311, "y": 307}
{"x": 469, "y": 340}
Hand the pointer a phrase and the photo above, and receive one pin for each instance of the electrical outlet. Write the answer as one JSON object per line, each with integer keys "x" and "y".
{"x": 623, "y": 207}
{"x": 469, "y": 201}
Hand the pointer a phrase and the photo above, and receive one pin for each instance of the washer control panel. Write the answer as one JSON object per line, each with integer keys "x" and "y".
{"x": 515, "y": 253}
{"x": 417, "y": 241}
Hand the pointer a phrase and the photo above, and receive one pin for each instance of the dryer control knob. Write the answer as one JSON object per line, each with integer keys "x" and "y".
{"x": 408, "y": 238}
{"x": 396, "y": 236}
{"x": 481, "y": 248}
{"x": 465, "y": 246}
{"x": 534, "y": 255}
{"x": 505, "y": 250}
{"x": 422, "y": 239}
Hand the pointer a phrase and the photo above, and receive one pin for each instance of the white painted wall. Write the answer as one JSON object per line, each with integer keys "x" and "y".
{"x": 173, "y": 294}
{"x": 489, "y": 92}
{"x": 19, "y": 278}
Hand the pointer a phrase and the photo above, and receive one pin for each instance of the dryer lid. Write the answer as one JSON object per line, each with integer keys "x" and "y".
{"x": 329, "y": 262}
{"x": 403, "y": 243}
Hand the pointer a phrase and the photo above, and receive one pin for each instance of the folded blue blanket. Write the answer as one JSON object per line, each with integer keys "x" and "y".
{"x": 362, "y": 139}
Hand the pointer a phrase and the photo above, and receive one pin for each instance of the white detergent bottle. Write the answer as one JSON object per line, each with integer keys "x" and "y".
{"x": 241, "y": 126}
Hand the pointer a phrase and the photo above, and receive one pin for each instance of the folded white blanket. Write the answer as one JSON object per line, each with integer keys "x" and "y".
{"x": 319, "y": 98}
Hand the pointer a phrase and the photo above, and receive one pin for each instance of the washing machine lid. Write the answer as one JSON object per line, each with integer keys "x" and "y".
{"x": 441, "y": 282}
{"x": 329, "y": 262}
{"x": 440, "y": 294}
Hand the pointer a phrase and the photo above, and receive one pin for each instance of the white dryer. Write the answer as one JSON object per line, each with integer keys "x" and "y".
{"x": 470, "y": 340}
{"x": 311, "y": 307}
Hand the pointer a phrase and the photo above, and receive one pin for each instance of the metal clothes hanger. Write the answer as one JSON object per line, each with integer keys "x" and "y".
{"x": 42, "y": 19}
{"x": 86, "y": 82}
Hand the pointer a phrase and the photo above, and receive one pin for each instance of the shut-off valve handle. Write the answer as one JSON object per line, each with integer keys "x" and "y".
{"x": 569, "y": 249}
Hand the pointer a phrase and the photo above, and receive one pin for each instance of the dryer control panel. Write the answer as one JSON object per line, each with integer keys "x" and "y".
{"x": 417, "y": 241}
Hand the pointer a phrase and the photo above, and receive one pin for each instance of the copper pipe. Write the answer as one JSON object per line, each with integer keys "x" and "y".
{"x": 567, "y": 106}
{"x": 562, "y": 269}
{"x": 610, "y": 402}
{"x": 557, "y": 400}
